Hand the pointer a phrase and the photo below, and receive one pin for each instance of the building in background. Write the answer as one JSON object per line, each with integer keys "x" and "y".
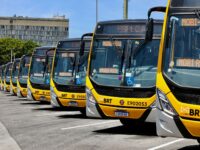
{"x": 44, "y": 31}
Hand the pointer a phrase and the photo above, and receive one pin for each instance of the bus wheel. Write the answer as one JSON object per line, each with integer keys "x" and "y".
{"x": 198, "y": 140}
{"x": 83, "y": 112}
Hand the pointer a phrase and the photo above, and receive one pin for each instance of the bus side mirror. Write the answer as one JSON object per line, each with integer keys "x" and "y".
{"x": 149, "y": 30}
{"x": 82, "y": 46}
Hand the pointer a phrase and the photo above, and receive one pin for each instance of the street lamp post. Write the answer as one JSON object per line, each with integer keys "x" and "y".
{"x": 125, "y": 9}
{"x": 97, "y": 10}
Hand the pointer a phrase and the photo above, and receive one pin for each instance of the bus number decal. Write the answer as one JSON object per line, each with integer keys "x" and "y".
{"x": 140, "y": 104}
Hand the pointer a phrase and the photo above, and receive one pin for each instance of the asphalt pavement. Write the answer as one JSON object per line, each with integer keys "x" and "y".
{"x": 29, "y": 125}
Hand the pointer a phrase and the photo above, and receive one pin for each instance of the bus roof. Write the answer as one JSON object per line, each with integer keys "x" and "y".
{"x": 42, "y": 50}
{"x": 73, "y": 43}
{"x": 128, "y": 21}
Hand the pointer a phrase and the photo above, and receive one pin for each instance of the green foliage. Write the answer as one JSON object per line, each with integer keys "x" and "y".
{"x": 19, "y": 48}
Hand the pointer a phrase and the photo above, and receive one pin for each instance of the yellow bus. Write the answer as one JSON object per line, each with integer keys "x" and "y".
{"x": 120, "y": 82}
{"x": 178, "y": 77}
{"x": 14, "y": 75}
{"x": 2, "y": 76}
{"x": 38, "y": 85}
{"x": 68, "y": 75}
{"x": 7, "y": 77}
{"x": 23, "y": 76}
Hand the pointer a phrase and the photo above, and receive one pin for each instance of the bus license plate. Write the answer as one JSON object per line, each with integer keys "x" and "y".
{"x": 72, "y": 103}
{"x": 121, "y": 114}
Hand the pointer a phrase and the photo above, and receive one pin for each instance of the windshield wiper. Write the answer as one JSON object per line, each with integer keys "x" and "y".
{"x": 123, "y": 53}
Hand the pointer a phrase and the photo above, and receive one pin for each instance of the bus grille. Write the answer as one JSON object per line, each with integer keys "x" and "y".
{"x": 124, "y": 92}
{"x": 40, "y": 86}
{"x": 23, "y": 85}
{"x": 188, "y": 98}
{"x": 70, "y": 88}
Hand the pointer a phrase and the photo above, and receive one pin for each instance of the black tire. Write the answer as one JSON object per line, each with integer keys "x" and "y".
{"x": 198, "y": 140}
{"x": 83, "y": 112}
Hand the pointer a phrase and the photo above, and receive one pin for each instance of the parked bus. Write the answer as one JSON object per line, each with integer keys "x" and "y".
{"x": 178, "y": 82}
{"x": 14, "y": 75}
{"x": 68, "y": 75}
{"x": 2, "y": 76}
{"x": 122, "y": 70}
{"x": 39, "y": 74}
{"x": 7, "y": 77}
{"x": 23, "y": 76}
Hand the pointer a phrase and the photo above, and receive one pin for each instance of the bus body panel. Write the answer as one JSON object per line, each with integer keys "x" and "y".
{"x": 21, "y": 92}
{"x": 39, "y": 94}
{"x": 142, "y": 109}
{"x": 185, "y": 123}
{"x": 66, "y": 98}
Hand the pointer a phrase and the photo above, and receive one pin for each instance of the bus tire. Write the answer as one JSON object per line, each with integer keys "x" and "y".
{"x": 83, "y": 112}
{"x": 198, "y": 140}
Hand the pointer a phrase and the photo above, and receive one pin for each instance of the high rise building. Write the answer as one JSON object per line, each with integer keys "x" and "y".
{"x": 44, "y": 31}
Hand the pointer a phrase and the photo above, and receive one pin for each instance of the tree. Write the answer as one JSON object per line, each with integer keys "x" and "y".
{"x": 19, "y": 48}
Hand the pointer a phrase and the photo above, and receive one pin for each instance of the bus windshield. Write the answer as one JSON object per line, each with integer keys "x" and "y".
{"x": 23, "y": 71}
{"x": 15, "y": 71}
{"x": 37, "y": 70}
{"x": 8, "y": 72}
{"x": 182, "y": 52}
{"x": 110, "y": 58}
{"x": 64, "y": 67}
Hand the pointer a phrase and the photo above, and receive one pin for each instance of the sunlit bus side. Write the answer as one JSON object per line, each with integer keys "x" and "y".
{"x": 7, "y": 77}
{"x": 38, "y": 85}
{"x": 23, "y": 76}
{"x": 178, "y": 77}
{"x": 14, "y": 75}
{"x": 68, "y": 75}
{"x": 120, "y": 82}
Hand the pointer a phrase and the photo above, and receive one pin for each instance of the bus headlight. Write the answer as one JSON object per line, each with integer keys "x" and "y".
{"x": 165, "y": 104}
{"x": 90, "y": 97}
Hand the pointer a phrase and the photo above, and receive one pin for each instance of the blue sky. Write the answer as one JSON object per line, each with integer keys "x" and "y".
{"x": 81, "y": 13}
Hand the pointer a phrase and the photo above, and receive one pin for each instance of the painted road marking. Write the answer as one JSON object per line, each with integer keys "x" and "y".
{"x": 166, "y": 144}
{"x": 6, "y": 141}
{"x": 89, "y": 125}
{"x": 57, "y": 113}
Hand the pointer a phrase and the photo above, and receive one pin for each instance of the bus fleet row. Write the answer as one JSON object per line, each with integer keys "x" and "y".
{"x": 138, "y": 71}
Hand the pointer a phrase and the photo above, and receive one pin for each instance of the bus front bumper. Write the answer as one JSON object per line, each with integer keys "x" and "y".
{"x": 103, "y": 111}
{"x": 169, "y": 126}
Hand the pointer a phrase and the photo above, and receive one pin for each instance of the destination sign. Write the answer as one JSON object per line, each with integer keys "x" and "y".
{"x": 185, "y": 3}
{"x": 127, "y": 28}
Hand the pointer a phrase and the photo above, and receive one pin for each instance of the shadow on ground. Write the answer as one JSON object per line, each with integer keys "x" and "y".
{"x": 192, "y": 147}
{"x": 147, "y": 129}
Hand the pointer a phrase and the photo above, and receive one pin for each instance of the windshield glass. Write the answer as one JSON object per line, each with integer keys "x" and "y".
{"x": 8, "y": 72}
{"x": 15, "y": 72}
{"x": 182, "y": 52}
{"x": 23, "y": 71}
{"x": 2, "y": 72}
{"x": 64, "y": 67}
{"x": 37, "y": 69}
{"x": 110, "y": 58}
